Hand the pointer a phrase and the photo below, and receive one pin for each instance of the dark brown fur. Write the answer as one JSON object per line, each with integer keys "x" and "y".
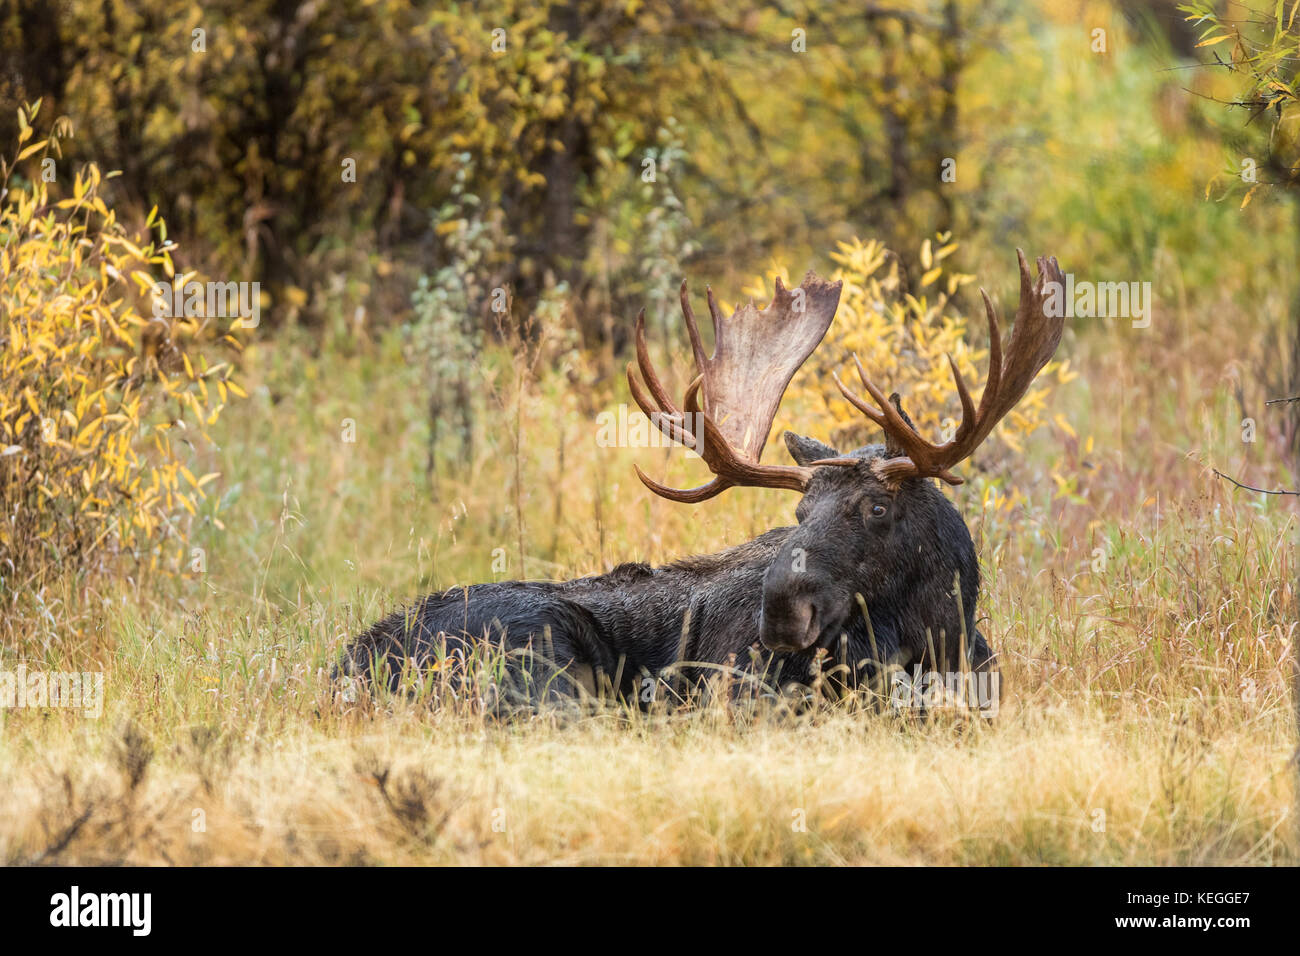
{"x": 768, "y": 606}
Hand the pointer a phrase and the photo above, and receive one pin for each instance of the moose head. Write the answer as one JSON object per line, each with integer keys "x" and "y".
{"x": 874, "y": 530}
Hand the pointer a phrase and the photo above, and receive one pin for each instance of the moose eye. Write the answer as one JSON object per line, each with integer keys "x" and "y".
{"x": 877, "y": 511}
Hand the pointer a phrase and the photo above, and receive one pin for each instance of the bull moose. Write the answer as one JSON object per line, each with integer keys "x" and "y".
{"x": 880, "y": 571}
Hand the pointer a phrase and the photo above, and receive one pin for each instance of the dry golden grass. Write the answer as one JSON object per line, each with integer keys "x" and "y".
{"x": 1081, "y": 784}
{"x": 1149, "y": 716}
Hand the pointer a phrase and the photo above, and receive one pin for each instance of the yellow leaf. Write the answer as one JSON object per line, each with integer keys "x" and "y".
{"x": 34, "y": 148}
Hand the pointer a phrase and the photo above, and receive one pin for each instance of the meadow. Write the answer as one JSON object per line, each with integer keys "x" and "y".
{"x": 1148, "y": 716}
{"x": 1144, "y": 609}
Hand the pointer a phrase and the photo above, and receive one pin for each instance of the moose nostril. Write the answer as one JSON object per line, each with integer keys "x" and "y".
{"x": 802, "y": 616}
{"x": 788, "y": 623}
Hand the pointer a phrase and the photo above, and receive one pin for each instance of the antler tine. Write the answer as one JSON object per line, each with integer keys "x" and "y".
{"x": 890, "y": 418}
{"x": 670, "y": 423}
{"x": 737, "y": 390}
{"x": 995, "y": 355}
{"x": 690, "y": 401}
{"x": 648, "y": 370}
{"x": 893, "y": 423}
{"x": 1033, "y": 341}
{"x": 968, "y": 417}
{"x": 1026, "y": 280}
{"x": 688, "y": 496}
{"x": 857, "y": 402}
{"x": 663, "y": 413}
{"x": 714, "y": 312}
{"x": 692, "y": 329}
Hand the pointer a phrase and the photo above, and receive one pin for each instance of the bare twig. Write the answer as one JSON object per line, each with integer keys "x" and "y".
{"x": 1262, "y": 491}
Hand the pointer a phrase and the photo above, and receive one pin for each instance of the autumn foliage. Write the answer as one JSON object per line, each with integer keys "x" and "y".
{"x": 103, "y": 409}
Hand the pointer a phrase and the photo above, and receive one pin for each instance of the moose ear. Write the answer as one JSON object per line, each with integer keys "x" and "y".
{"x": 805, "y": 451}
{"x": 892, "y": 448}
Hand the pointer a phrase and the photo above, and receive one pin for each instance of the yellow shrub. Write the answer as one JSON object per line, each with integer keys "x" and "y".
{"x": 902, "y": 339}
{"x": 102, "y": 411}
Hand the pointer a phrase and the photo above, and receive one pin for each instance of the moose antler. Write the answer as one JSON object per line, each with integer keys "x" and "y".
{"x": 1033, "y": 342}
{"x": 755, "y": 355}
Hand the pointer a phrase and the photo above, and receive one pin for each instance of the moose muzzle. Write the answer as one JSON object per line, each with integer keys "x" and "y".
{"x": 789, "y": 621}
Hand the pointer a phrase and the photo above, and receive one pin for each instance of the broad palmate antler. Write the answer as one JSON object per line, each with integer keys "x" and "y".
{"x": 756, "y": 354}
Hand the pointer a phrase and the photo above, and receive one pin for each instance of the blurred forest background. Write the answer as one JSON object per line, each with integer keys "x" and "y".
{"x": 465, "y": 173}
{"x": 455, "y": 210}
{"x": 383, "y": 164}
{"x": 1083, "y": 125}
